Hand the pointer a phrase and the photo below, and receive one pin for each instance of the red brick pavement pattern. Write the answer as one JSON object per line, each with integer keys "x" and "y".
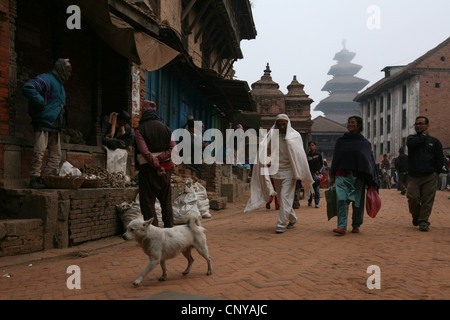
{"x": 252, "y": 262}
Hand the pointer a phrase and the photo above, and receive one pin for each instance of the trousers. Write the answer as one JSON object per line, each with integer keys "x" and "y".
{"x": 421, "y": 193}
{"x": 42, "y": 141}
{"x": 152, "y": 187}
{"x": 402, "y": 180}
{"x": 285, "y": 187}
{"x": 350, "y": 189}
{"x": 316, "y": 195}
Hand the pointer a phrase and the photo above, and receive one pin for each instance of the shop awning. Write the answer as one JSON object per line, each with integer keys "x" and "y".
{"x": 153, "y": 53}
{"x": 136, "y": 46}
{"x": 234, "y": 94}
{"x": 248, "y": 119}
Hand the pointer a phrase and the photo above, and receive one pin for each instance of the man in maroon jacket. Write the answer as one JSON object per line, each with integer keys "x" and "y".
{"x": 154, "y": 144}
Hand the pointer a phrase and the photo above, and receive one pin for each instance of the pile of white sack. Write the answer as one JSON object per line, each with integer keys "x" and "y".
{"x": 193, "y": 200}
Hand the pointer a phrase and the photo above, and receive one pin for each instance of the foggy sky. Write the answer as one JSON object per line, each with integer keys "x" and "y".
{"x": 301, "y": 38}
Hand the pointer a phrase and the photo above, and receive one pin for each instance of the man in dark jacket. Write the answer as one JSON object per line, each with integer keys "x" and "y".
{"x": 401, "y": 166}
{"x": 425, "y": 160}
{"x": 47, "y": 102}
{"x": 154, "y": 144}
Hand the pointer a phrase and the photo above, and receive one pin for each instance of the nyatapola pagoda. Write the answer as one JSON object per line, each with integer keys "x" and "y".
{"x": 343, "y": 88}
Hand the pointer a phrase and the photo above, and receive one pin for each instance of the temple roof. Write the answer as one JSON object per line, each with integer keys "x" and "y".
{"x": 344, "y": 56}
{"x": 345, "y": 83}
{"x": 266, "y": 84}
{"x": 322, "y": 124}
{"x": 344, "y": 68}
{"x": 295, "y": 89}
{"x": 340, "y": 97}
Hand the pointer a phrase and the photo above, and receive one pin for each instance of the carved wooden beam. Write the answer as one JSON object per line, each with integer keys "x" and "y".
{"x": 219, "y": 54}
{"x": 198, "y": 17}
{"x": 231, "y": 62}
{"x": 187, "y": 9}
{"x": 204, "y": 25}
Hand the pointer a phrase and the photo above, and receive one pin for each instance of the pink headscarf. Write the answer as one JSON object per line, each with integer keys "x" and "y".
{"x": 146, "y": 105}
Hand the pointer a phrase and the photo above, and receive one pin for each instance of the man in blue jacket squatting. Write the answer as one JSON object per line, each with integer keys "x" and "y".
{"x": 47, "y": 101}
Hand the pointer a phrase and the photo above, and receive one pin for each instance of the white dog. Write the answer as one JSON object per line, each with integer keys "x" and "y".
{"x": 161, "y": 244}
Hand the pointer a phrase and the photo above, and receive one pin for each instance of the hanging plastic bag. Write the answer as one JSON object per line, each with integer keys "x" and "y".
{"x": 116, "y": 160}
{"x": 373, "y": 202}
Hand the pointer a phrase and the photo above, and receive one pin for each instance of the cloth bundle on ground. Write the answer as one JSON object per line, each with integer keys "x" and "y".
{"x": 194, "y": 200}
{"x": 128, "y": 211}
{"x": 186, "y": 204}
{"x": 203, "y": 201}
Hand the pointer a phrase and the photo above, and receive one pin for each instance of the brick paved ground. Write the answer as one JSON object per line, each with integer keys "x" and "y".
{"x": 252, "y": 262}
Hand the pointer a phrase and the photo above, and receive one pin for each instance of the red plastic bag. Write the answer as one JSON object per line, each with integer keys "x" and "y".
{"x": 373, "y": 202}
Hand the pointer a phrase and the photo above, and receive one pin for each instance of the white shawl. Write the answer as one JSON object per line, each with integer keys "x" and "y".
{"x": 261, "y": 188}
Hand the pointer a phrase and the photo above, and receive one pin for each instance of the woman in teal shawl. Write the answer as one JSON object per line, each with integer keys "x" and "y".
{"x": 353, "y": 168}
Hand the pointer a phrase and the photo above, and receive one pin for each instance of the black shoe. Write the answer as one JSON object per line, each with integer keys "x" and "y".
{"x": 424, "y": 227}
{"x": 403, "y": 192}
{"x": 268, "y": 205}
{"x": 415, "y": 222}
{"x": 36, "y": 183}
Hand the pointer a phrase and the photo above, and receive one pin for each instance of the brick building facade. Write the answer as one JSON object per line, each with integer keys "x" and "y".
{"x": 390, "y": 106}
{"x": 122, "y": 47}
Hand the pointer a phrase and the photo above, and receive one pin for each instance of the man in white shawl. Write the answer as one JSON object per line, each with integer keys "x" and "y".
{"x": 288, "y": 163}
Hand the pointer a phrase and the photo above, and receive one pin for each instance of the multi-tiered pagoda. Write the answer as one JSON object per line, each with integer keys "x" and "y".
{"x": 343, "y": 88}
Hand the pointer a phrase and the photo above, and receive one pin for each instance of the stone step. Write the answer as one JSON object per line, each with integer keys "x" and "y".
{"x": 218, "y": 203}
{"x": 233, "y": 190}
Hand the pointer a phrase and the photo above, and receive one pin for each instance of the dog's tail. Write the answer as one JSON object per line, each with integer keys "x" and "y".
{"x": 194, "y": 223}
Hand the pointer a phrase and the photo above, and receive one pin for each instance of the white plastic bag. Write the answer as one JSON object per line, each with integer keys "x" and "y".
{"x": 68, "y": 169}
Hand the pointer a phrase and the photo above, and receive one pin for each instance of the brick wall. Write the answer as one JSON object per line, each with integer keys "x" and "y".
{"x": 93, "y": 214}
{"x": 434, "y": 100}
{"x": 435, "y": 93}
